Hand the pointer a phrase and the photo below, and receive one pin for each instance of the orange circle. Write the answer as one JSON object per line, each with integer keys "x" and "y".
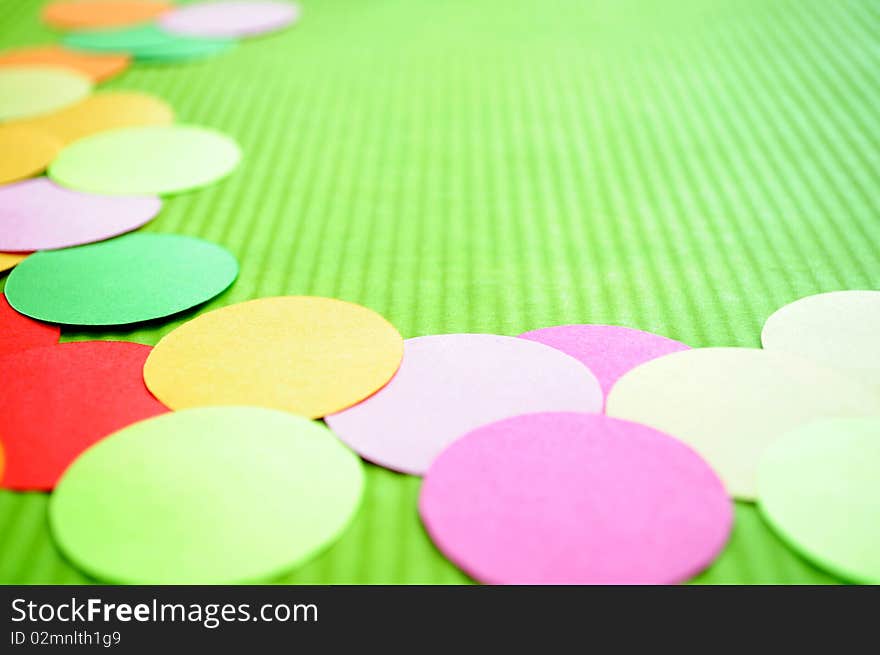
{"x": 102, "y": 13}
{"x": 97, "y": 67}
{"x": 26, "y": 152}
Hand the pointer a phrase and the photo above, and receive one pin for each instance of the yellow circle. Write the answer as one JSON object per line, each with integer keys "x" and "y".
{"x": 10, "y": 259}
{"x": 307, "y": 355}
{"x": 101, "y": 112}
{"x": 25, "y": 152}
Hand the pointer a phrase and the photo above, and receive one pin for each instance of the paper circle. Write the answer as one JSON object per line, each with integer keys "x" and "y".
{"x": 729, "y": 404}
{"x": 566, "y": 498}
{"x": 86, "y": 14}
{"x": 97, "y": 67}
{"x": 26, "y": 152}
{"x": 819, "y": 489}
{"x": 38, "y": 214}
{"x": 450, "y": 384}
{"x": 146, "y": 160}
{"x": 306, "y": 355}
{"x": 102, "y": 112}
{"x": 206, "y": 496}
{"x": 147, "y": 43}
{"x": 840, "y": 329}
{"x": 59, "y": 400}
{"x": 18, "y": 332}
{"x": 608, "y": 351}
{"x": 10, "y": 259}
{"x": 230, "y": 18}
{"x": 133, "y": 278}
{"x": 33, "y": 91}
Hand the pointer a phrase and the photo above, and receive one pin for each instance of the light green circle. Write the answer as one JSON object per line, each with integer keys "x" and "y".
{"x": 216, "y": 495}
{"x": 819, "y": 489}
{"x": 147, "y": 43}
{"x": 129, "y": 279}
{"x": 37, "y": 90}
{"x": 158, "y": 159}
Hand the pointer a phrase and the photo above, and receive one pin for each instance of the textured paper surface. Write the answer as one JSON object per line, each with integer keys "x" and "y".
{"x": 101, "y": 112}
{"x": 840, "y": 329}
{"x": 229, "y": 18}
{"x": 18, "y": 332}
{"x": 146, "y": 160}
{"x": 608, "y": 351}
{"x": 684, "y": 168}
{"x": 206, "y": 496}
{"x": 818, "y": 488}
{"x": 730, "y": 404}
{"x": 94, "y": 14}
{"x": 450, "y": 384}
{"x": 306, "y": 355}
{"x": 38, "y": 214}
{"x": 60, "y": 399}
{"x": 33, "y": 91}
{"x": 26, "y": 152}
{"x": 97, "y": 67}
{"x": 564, "y": 498}
{"x": 132, "y": 278}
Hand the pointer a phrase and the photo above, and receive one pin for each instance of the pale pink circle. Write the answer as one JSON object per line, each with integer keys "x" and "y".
{"x": 229, "y": 18}
{"x": 609, "y": 350}
{"x": 450, "y": 384}
{"x": 40, "y": 215}
{"x": 564, "y": 498}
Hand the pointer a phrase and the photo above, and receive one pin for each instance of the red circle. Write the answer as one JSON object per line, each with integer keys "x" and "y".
{"x": 59, "y": 400}
{"x": 18, "y": 332}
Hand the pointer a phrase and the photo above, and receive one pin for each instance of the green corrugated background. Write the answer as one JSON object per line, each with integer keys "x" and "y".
{"x": 502, "y": 165}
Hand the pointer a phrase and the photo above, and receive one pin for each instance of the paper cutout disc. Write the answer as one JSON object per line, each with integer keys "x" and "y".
{"x": 565, "y": 498}
{"x": 306, "y": 355}
{"x": 206, "y": 496}
{"x": 818, "y": 488}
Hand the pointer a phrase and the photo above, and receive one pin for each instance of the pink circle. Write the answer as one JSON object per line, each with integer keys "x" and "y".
{"x": 608, "y": 350}
{"x": 450, "y": 384}
{"x": 40, "y": 215}
{"x": 229, "y": 19}
{"x": 574, "y": 499}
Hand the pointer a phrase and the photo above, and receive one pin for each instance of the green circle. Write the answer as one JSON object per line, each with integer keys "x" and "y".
{"x": 33, "y": 91}
{"x": 133, "y": 278}
{"x": 819, "y": 489}
{"x": 216, "y": 495}
{"x": 158, "y": 159}
{"x": 147, "y": 43}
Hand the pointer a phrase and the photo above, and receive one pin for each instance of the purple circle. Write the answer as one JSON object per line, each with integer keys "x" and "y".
{"x": 449, "y": 384}
{"x": 231, "y": 18}
{"x": 564, "y": 498}
{"x": 40, "y": 215}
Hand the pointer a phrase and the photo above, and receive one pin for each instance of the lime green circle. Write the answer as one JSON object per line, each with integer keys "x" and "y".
{"x": 819, "y": 489}
{"x": 32, "y": 91}
{"x": 216, "y": 495}
{"x": 158, "y": 159}
{"x": 129, "y": 279}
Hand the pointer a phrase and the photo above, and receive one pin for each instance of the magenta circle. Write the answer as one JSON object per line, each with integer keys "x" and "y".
{"x": 566, "y": 498}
